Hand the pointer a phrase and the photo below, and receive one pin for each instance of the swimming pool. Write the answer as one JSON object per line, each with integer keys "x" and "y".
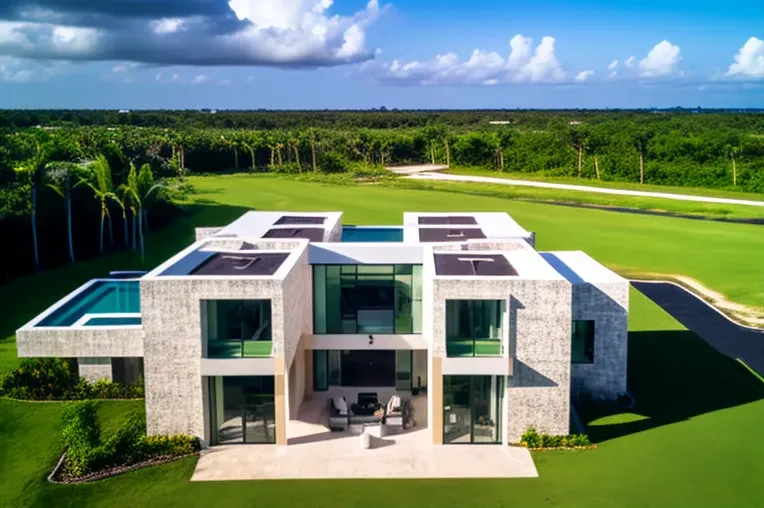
{"x": 371, "y": 234}
{"x": 117, "y": 300}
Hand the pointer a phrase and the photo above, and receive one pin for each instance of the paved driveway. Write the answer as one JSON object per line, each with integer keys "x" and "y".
{"x": 726, "y": 336}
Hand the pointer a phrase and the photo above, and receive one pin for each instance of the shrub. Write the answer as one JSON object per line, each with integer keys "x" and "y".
{"x": 86, "y": 452}
{"x": 531, "y": 438}
{"x": 57, "y": 379}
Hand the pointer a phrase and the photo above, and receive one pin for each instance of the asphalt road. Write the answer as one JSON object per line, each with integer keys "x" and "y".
{"x": 726, "y": 336}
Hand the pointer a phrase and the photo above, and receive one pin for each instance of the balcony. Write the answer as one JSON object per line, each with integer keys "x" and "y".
{"x": 239, "y": 348}
{"x": 473, "y": 347}
{"x": 474, "y": 328}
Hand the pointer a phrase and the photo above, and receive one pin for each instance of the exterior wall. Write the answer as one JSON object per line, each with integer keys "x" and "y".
{"x": 607, "y": 304}
{"x": 92, "y": 342}
{"x": 171, "y": 313}
{"x": 94, "y": 369}
{"x": 127, "y": 370}
{"x": 202, "y": 233}
{"x": 296, "y": 384}
{"x": 297, "y": 317}
{"x": 539, "y": 333}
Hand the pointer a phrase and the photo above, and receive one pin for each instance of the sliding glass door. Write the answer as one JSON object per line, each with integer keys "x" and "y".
{"x": 472, "y": 409}
{"x": 242, "y": 409}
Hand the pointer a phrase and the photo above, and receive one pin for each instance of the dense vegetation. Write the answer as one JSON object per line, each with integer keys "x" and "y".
{"x": 57, "y": 379}
{"x": 81, "y": 176}
{"x": 87, "y": 452}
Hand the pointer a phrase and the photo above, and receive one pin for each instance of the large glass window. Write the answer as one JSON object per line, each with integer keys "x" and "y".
{"x": 238, "y": 328}
{"x": 582, "y": 347}
{"x": 472, "y": 409}
{"x": 474, "y": 327}
{"x": 369, "y": 299}
{"x": 242, "y": 409}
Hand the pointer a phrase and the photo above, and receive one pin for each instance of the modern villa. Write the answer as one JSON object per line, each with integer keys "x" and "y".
{"x": 452, "y": 322}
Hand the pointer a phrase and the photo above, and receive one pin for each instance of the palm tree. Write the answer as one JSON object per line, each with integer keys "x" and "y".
{"x": 578, "y": 136}
{"x": 137, "y": 190}
{"x": 733, "y": 150}
{"x": 31, "y": 172}
{"x": 59, "y": 178}
{"x": 99, "y": 181}
{"x": 641, "y": 138}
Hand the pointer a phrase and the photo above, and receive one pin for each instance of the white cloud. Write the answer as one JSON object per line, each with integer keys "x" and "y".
{"x": 199, "y": 79}
{"x": 583, "y": 76}
{"x": 662, "y": 60}
{"x": 291, "y": 33}
{"x": 19, "y": 70}
{"x": 613, "y": 74}
{"x": 629, "y": 62}
{"x": 749, "y": 61}
{"x": 524, "y": 64}
{"x": 613, "y": 65}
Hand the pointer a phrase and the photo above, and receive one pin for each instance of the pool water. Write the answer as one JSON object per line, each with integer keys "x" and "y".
{"x": 371, "y": 234}
{"x": 102, "y": 297}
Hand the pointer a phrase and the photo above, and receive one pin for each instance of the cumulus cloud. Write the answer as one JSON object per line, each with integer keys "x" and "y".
{"x": 749, "y": 61}
{"x": 296, "y": 33}
{"x": 524, "y": 64}
{"x": 629, "y": 62}
{"x": 19, "y": 70}
{"x": 662, "y": 60}
{"x": 613, "y": 65}
{"x": 583, "y": 76}
{"x": 199, "y": 79}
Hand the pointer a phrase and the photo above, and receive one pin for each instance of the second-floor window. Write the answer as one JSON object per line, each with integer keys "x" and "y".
{"x": 369, "y": 299}
{"x": 474, "y": 327}
{"x": 238, "y": 328}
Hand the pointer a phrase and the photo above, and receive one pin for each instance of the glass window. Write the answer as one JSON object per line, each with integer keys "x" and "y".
{"x": 320, "y": 370}
{"x": 237, "y": 328}
{"x": 319, "y": 299}
{"x": 367, "y": 299}
{"x": 242, "y": 409}
{"x": 472, "y": 409}
{"x": 474, "y": 327}
{"x": 582, "y": 348}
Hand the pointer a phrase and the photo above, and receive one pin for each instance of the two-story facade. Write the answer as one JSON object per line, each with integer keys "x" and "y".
{"x": 236, "y": 332}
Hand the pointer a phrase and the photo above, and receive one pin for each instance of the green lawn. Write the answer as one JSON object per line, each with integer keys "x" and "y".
{"x": 693, "y": 439}
{"x": 726, "y": 257}
{"x": 590, "y": 182}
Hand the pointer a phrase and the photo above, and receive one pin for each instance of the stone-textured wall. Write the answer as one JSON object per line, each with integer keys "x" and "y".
{"x": 607, "y": 304}
{"x": 94, "y": 369}
{"x": 171, "y": 312}
{"x": 202, "y": 233}
{"x": 298, "y": 305}
{"x": 539, "y": 332}
{"x": 104, "y": 342}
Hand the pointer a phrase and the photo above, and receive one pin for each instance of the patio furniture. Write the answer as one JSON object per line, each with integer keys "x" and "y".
{"x": 397, "y": 412}
{"x": 338, "y": 414}
{"x": 378, "y": 429}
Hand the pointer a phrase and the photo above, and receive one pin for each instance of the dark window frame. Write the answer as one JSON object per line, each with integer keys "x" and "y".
{"x": 587, "y": 342}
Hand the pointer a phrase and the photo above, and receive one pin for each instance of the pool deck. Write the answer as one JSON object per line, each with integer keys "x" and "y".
{"x": 314, "y": 452}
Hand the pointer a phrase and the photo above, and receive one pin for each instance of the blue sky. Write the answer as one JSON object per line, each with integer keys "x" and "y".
{"x": 303, "y": 54}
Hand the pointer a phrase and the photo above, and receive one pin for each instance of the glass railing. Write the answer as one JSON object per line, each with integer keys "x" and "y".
{"x": 238, "y": 348}
{"x": 473, "y": 347}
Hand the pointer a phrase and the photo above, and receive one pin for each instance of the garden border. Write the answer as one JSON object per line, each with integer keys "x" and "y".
{"x": 112, "y": 471}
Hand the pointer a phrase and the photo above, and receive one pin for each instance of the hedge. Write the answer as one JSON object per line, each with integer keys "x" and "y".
{"x": 57, "y": 379}
{"x": 533, "y": 439}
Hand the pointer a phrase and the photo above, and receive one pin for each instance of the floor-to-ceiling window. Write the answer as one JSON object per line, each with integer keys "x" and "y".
{"x": 373, "y": 368}
{"x": 381, "y": 299}
{"x": 474, "y": 327}
{"x": 242, "y": 409}
{"x": 237, "y": 328}
{"x": 472, "y": 409}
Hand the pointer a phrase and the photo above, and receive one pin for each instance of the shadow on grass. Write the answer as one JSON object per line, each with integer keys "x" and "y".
{"x": 673, "y": 375}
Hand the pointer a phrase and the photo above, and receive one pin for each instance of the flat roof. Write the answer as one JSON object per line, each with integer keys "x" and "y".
{"x": 230, "y": 263}
{"x": 471, "y": 264}
{"x": 578, "y": 267}
{"x": 256, "y": 224}
{"x": 447, "y": 219}
{"x": 312, "y": 234}
{"x": 299, "y": 219}
{"x": 494, "y": 225}
{"x": 451, "y": 234}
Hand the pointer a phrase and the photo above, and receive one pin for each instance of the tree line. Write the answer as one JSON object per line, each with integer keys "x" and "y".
{"x": 61, "y": 176}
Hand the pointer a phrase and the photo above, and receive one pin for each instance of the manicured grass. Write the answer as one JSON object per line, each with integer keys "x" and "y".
{"x": 725, "y": 257}
{"x": 590, "y": 182}
{"x": 693, "y": 439}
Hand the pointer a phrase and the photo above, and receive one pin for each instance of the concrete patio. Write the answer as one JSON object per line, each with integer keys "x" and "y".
{"x": 316, "y": 453}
